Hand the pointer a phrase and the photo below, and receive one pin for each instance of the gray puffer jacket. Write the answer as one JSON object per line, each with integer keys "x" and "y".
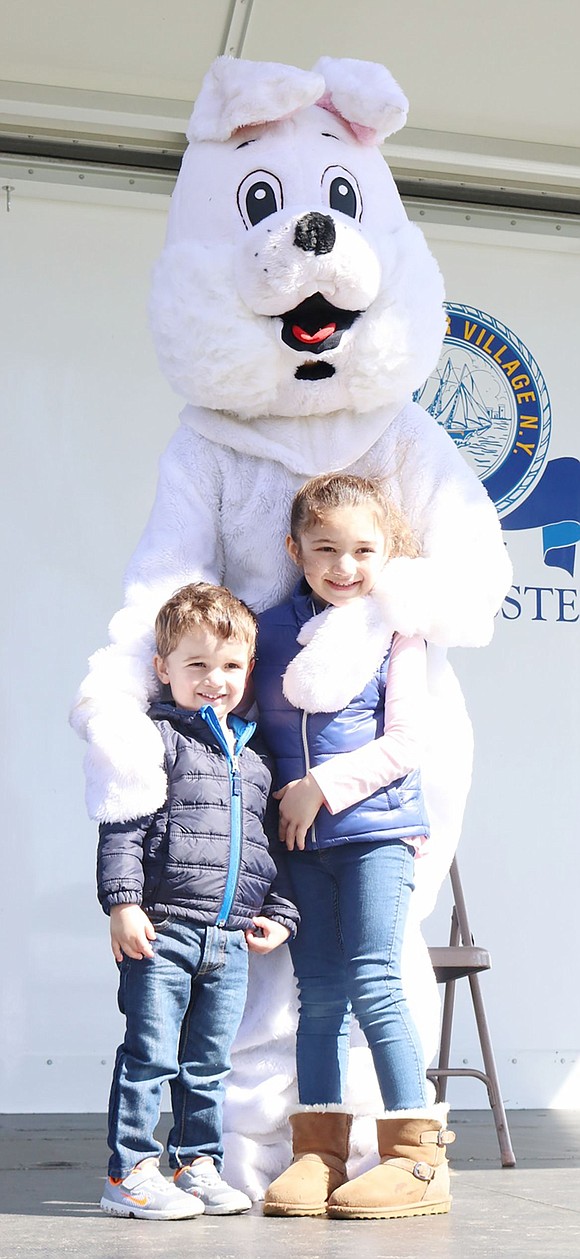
{"x": 204, "y": 856}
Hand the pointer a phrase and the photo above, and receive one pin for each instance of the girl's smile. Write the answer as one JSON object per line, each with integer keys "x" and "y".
{"x": 342, "y": 554}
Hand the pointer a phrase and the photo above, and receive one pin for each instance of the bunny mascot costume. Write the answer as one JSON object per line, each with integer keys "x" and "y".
{"x": 296, "y": 309}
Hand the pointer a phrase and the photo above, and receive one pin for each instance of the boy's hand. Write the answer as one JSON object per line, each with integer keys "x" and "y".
{"x": 300, "y": 801}
{"x": 131, "y": 932}
{"x": 272, "y": 934}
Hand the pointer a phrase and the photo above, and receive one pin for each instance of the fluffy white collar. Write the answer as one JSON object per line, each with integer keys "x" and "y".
{"x": 342, "y": 648}
{"x": 306, "y": 446}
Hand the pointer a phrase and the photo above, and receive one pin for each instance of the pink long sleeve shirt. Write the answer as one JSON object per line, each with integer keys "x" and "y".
{"x": 353, "y": 776}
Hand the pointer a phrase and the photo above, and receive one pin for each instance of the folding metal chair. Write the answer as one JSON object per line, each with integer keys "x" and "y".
{"x": 461, "y": 959}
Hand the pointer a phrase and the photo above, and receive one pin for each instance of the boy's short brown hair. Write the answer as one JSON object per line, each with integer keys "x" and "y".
{"x": 201, "y": 605}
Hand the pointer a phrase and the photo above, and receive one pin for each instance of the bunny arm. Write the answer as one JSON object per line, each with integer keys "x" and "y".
{"x": 449, "y": 596}
{"x": 124, "y": 761}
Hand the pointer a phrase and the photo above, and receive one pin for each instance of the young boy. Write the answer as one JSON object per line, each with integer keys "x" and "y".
{"x": 189, "y": 890}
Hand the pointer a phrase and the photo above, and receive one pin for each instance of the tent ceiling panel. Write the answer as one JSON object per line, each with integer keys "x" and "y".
{"x": 494, "y": 89}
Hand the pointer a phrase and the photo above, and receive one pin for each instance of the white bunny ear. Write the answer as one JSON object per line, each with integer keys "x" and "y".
{"x": 238, "y": 94}
{"x": 365, "y": 95}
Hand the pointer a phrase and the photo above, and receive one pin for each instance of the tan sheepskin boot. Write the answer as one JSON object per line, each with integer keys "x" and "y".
{"x": 320, "y": 1141}
{"x": 412, "y": 1177}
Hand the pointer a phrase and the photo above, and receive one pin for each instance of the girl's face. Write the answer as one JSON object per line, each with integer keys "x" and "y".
{"x": 341, "y": 555}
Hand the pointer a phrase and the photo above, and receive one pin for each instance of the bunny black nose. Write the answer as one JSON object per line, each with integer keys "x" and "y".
{"x": 315, "y": 233}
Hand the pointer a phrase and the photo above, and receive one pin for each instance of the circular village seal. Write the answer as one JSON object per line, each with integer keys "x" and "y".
{"x": 489, "y": 394}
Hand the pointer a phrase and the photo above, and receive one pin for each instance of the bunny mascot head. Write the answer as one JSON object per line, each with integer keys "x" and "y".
{"x": 296, "y": 309}
{"x": 292, "y": 283}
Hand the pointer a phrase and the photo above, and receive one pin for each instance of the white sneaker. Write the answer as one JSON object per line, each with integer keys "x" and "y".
{"x": 202, "y": 1181}
{"x": 146, "y": 1195}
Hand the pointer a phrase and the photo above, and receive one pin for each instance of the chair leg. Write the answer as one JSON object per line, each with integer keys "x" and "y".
{"x": 445, "y": 1040}
{"x": 460, "y": 930}
{"x": 447, "y": 1019}
{"x": 493, "y": 1088}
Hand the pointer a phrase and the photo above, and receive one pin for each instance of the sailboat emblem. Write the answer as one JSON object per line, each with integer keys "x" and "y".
{"x": 489, "y": 394}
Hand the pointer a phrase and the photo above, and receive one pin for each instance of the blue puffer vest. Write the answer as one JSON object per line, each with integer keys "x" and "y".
{"x": 204, "y": 856}
{"x": 298, "y": 741}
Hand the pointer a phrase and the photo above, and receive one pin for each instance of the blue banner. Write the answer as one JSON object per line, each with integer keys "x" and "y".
{"x": 554, "y": 507}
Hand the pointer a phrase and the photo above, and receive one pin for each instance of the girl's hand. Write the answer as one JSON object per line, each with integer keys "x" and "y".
{"x": 131, "y": 932}
{"x": 300, "y": 801}
{"x": 271, "y": 935}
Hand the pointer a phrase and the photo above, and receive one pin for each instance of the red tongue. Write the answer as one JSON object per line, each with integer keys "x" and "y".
{"x": 307, "y": 339}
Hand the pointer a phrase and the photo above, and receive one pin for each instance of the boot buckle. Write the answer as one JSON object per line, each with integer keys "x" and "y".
{"x": 445, "y": 1137}
{"x": 423, "y": 1171}
{"x": 442, "y": 1137}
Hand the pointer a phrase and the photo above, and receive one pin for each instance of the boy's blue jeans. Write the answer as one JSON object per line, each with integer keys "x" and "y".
{"x": 183, "y": 1008}
{"x": 353, "y": 901}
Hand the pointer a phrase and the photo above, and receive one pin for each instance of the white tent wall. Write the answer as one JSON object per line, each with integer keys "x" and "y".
{"x": 86, "y": 414}
{"x": 519, "y": 855}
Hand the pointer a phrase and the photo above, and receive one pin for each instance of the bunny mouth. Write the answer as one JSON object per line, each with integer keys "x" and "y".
{"x": 316, "y": 326}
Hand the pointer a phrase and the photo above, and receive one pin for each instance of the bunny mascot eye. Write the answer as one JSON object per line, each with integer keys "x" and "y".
{"x": 342, "y": 191}
{"x": 259, "y": 196}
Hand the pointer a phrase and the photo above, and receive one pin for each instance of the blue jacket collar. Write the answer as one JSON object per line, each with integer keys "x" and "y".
{"x": 304, "y": 602}
{"x": 200, "y": 720}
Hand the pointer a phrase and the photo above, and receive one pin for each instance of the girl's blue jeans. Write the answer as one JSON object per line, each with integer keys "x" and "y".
{"x": 183, "y": 1008}
{"x": 353, "y": 901}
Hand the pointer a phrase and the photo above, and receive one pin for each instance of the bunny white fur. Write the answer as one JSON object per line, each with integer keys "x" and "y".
{"x": 283, "y": 200}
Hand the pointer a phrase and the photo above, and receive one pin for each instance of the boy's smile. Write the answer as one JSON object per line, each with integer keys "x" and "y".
{"x": 341, "y": 555}
{"x": 203, "y": 669}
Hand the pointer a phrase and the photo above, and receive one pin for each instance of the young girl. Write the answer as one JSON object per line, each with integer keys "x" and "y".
{"x": 351, "y": 817}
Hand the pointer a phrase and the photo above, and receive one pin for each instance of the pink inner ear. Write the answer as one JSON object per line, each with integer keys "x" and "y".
{"x": 266, "y": 122}
{"x": 364, "y": 135}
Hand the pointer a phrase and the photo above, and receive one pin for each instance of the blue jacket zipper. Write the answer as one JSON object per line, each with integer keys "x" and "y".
{"x": 243, "y": 735}
{"x": 306, "y": 751}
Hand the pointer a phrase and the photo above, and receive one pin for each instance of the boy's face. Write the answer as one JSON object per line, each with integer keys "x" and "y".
{"x": 341, "y": 555}
{"x": 206, "y": 670}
